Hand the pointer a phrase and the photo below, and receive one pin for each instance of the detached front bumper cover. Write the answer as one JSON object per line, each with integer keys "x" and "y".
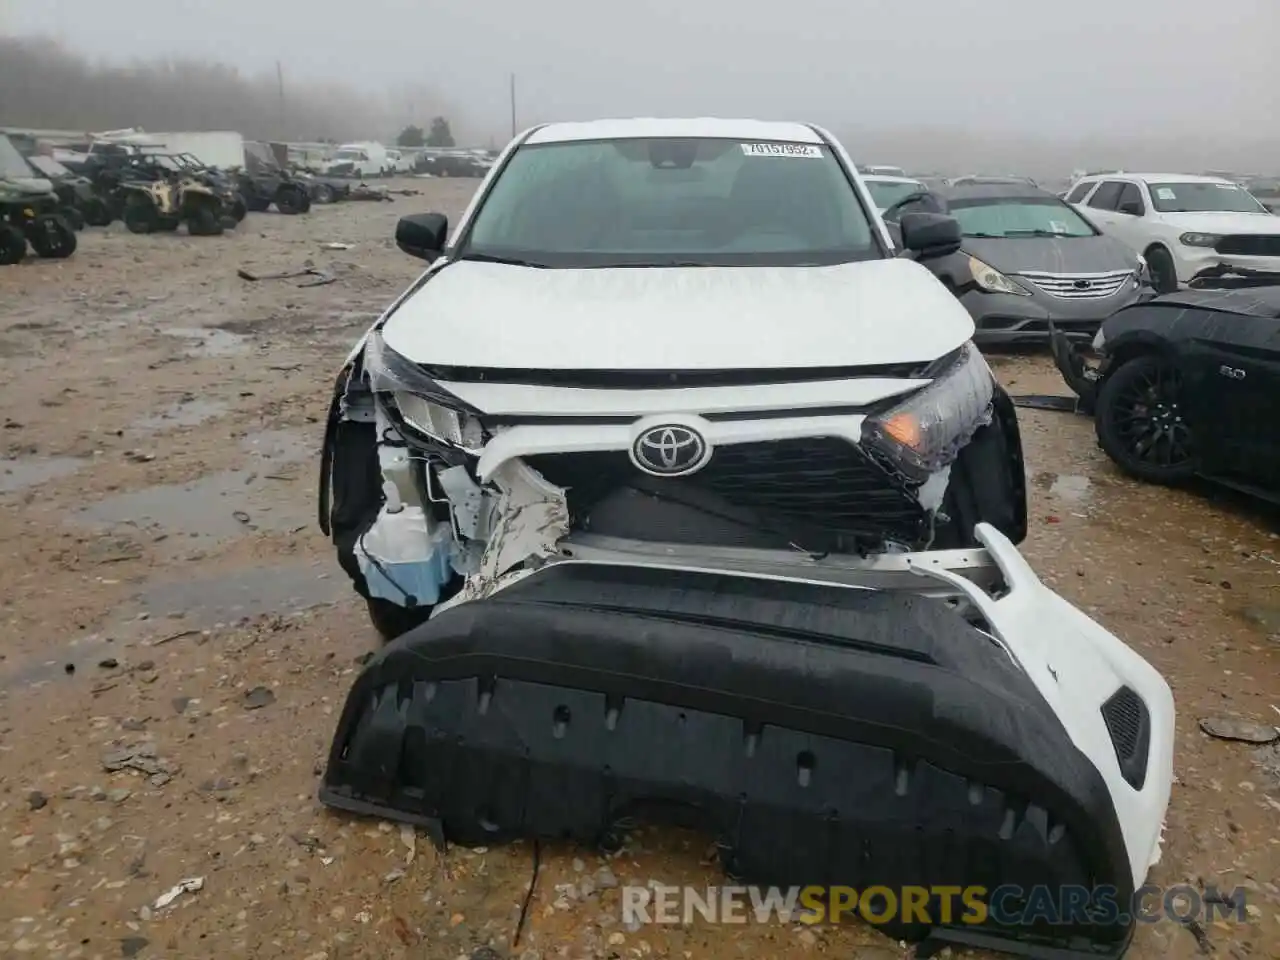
{"x": 823, "y": 735}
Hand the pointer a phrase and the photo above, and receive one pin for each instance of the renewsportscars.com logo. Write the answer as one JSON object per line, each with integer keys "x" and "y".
{"x": 1009, "y": 905}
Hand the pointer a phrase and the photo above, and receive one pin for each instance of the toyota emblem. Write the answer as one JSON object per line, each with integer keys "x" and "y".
{"x": 1083, "y": 284}
{"x": 670, "y": 451}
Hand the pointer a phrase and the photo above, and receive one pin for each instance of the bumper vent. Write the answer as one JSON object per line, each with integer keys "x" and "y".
{"x": 1129, "y": 725}
{"x": 1250, "y": 245}
{"x": 1081, "y": 286}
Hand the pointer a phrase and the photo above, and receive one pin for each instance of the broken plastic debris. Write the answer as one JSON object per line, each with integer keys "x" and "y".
{"x": 410, "y": 839}
{"x": 335, "y": 245}
{"x": 191, "y": 885}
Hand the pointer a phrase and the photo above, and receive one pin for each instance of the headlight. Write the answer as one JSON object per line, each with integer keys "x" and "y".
{"x": 926, "y": 431}
{"x": 990, "y": 279}
{"x": 425, "y": 407}
{"x": 1200, "y": 239}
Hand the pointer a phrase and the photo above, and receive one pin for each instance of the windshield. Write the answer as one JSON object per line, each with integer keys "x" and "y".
{"x": 886, "y": 193}
{"x": 653, "y": 202}
{"x": 349, "y": 155}
{"x": 1017, "y": 217}
{"x": 1203, "y": 198}
{"x": 47, "y": 166}
{"x": 12, "y": 163}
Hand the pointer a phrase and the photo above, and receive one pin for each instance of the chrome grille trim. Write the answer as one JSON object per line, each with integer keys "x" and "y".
{"x": 1072, "y": 286}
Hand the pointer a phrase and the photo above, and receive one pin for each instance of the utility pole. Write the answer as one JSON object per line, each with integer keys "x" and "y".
{"x": 280, "y": 83}
{"x": 513, "y": 105}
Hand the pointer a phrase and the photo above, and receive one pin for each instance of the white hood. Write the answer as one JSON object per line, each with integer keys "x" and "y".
{"x": 1224, "y": 223}
{"x": 678, "y": 318}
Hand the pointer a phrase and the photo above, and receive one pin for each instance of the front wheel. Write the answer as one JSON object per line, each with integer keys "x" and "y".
{"x": 204, "y": 222}
{"x": 51, "y": 237}
{"x": 322, "y": 193}
{"x": 391, "y": 620}
{"x": 1141, "y": 421}
{"x": 290, "y": 201}
{"x": 1164, "y": 275}
{"x": 97, "y": 213}
{"x": 13, "y": 245}
{"x": 238, "y": 210}
{"x": 140, "y": 215}
{"x": 75, "y": 219}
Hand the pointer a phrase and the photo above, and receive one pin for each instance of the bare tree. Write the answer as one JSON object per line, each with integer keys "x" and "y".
{"x": 45, "y": 85}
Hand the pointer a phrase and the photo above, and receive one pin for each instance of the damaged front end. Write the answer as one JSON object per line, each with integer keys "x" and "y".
{"x": 812, "y": 638}
{"x": 433, "y": 498}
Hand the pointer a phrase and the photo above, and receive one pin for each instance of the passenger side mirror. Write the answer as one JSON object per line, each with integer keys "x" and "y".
{"x": 1131, "y": 208}
{"x": 930, "y": 234}
{"x": 422, "y": 235}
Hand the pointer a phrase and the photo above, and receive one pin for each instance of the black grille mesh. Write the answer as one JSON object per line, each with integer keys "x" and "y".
{"x": 1129, "y": 725}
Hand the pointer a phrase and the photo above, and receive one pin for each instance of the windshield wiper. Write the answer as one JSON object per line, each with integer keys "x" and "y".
{"x": 987, "y": 236}
{"x": 1039, "y": 233}
{"x": 495, "y": 258}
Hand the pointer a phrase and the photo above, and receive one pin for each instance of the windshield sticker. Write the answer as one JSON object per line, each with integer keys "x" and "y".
{"x": 1164, "y": 193}
{"x": 1226, "y": 186}
{"x": 781, "y": 150}
{"x": 1057, "y": 226}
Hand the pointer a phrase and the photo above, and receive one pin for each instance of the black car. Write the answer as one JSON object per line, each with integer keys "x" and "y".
{"x": 1189, "y": 385}
{"x": 1027, "y": 259}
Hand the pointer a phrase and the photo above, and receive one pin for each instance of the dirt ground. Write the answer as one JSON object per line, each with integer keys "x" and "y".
{"x": 176, "y": 638}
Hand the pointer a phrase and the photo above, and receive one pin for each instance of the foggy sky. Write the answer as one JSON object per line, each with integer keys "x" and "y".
{"x": 1087, "y": 68}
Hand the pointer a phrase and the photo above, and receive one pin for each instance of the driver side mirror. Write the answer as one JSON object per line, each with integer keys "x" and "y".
{"x": 422, "y": 235}
{"x": 929, "y": 235}
{"x": 1130, "y": 208}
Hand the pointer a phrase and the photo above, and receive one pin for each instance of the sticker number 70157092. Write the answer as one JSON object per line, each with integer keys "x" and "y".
{"x": 781, "y": 150}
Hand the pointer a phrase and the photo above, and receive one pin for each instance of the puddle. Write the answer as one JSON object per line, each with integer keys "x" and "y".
{"x": 221, "y": 506}
{"x": 282, "y": 446}
{"x": 206, "y": 602}
{"x": 210, "y": 341}
{"x": 195, "y": 603}
{"x": 1071, "y": 488}
{"x": 184, "y": 413}
{"x": 24, "y": 472}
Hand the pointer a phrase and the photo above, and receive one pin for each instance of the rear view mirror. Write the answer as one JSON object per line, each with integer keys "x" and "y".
{"x": 422, "y": 235}
{"x": 930, "y": 234}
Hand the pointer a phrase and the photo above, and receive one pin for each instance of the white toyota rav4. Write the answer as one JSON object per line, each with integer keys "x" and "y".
{"x": 682, "y": 331}
{"x": 686, "y": 349}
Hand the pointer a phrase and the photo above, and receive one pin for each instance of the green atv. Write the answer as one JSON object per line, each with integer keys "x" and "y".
{"x": 29, "y": 212}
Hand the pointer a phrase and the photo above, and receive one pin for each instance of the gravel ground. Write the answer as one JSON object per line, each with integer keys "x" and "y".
{"x": 176, "y": 638}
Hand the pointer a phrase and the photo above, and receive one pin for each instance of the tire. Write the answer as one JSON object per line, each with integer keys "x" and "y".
{"x": 203, "y": 221}
{"x": 51, "y": 237}
{"x": 391, "y": 620}
{"x": 238, "y": 210}
{"x": 292, "y": 202}
{"x": 140, "y": 215}
{"x": 323, "y": 193}
{"x": 75, "y": 219}
{"x": 1164, "y": 275}
{"x": 13, "y": 245}
{"x": 1140, "y": 421}
{"x": 97, "y": 213}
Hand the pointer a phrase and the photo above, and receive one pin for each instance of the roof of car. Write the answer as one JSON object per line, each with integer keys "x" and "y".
{"x": 994, "y": 191}
{"x": 888, "y": 178}
{"x": 1158, "y": 177}
{"x": 747, "y": 130}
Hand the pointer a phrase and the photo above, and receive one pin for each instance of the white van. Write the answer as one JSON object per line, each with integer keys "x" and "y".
{"x": 360, "y": 160}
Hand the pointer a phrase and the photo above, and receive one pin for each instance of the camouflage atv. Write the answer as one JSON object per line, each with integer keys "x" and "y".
{"x": 170, "y": 198}
{"x": 29, "y": 212}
